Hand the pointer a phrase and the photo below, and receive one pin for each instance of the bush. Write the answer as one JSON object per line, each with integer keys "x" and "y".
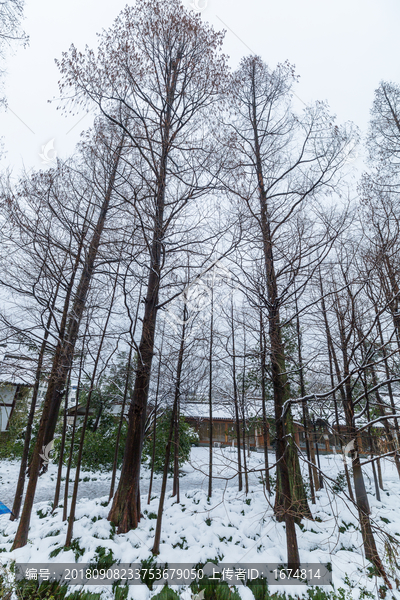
{"x": 102, "y": 426}
{"x": 187, "y": 436}
{"x": 99, "y": 446}
{"x": 340, "y": 484}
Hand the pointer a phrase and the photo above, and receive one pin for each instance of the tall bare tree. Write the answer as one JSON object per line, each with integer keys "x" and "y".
{"x": 74, "y": 306}
{"x": 283, "y": 162}
{"x": 157, "y": 72}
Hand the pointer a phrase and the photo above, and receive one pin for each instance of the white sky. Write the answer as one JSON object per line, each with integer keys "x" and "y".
{"x": 341, "y": 51}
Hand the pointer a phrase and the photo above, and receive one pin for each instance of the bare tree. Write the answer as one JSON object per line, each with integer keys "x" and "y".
{"x": 347, "y": 307}
{"x": 174, "y": 423}
{"x": 85, "y": 420}
{"x": 11, "y": 15}
{"x": 74, "y": 306}
{"x": 383, "y": 141}
{"x": 156, "y": 88}
{"x": 283, "y": 161}
{"x": 210, "y": 396}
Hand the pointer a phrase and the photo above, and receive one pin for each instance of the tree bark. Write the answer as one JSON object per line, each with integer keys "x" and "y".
{"x": 363, "y": 508}
{"x": 124, "y": 511}
{"x": 243, "y": 407}
{"x": 132, "y": 330}
{"x": 389, "y": 385}
{"x": 380, "y": 480}
{"x": 121, "y": 420}
{"x": 175, "y": 486}
{"x": 333, "y": 358}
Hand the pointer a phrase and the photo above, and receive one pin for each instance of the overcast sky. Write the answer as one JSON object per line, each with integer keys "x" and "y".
{"x": 341, "y": 51}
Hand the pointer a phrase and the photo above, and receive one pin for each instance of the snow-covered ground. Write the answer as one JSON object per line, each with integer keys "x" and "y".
{"x": 229, "y": 527}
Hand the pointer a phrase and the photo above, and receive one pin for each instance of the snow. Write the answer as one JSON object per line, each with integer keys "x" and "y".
{"x": 201, "y": 410}
{"x": 230, "y": 526}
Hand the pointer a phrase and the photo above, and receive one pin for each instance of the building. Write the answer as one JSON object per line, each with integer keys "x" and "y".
{"x": 17, "y": 372}
{"x": 224, "y": 424}
{"x": 325, "y": 435}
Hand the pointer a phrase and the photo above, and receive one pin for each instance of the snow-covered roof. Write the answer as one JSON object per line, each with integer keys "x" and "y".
{"x": 201, "y": 410}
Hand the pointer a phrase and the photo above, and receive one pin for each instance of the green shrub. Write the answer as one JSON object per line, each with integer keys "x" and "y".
{"x": 103, "y": 559}
{"x": 99, "y": 446}
{"x": 102, "y": 426}
{"x": 340, "y": 484}
{"x": 187, "y": 436}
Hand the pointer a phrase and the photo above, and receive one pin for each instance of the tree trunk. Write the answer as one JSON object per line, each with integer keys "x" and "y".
{"x": 370, "y": 440}
{"x": 263, "y": 399}
{"x": 78, "y": 307}
{"x": 71, "y": 519}
{"x": 320, "y": 478}
{"x": 378, "y": 495}
{"x": 378, "y": 464}
{"x": 175, "y": 487}
{"x": 124, "y": 511}
{"x": 121, "y": 420}
{"x": 286, "y": 454}
{"x": 132, "y": 331}
{"x": 71, "y": 450}
{"x": 60, "y": 462}
{"x": 392, "y": 296}
{"x": 288, "y": 465}
{"x": 153, "y": 452}
{"x": 28, "y": 431}
{"x": 379, "y": 401}
{"x": 210, "y": 358}
{"x": 363, "y": 508}
{"x": 391, "y": 396}
{"x": 21, "y": 536}
{"x": 333, "y": 358}
{"x": 246, "y": 476}
{"x": 157, "y": 536}
{"x": 306, "y": 417}
{"x": 98, "y": 417}
{"x": 236, "y": 403}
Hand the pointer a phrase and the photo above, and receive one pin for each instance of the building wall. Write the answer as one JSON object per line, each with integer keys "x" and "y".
{"x": 7, "y": 393}
{"x": 224, "y": 432}
{"x": 10, "y": 397}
